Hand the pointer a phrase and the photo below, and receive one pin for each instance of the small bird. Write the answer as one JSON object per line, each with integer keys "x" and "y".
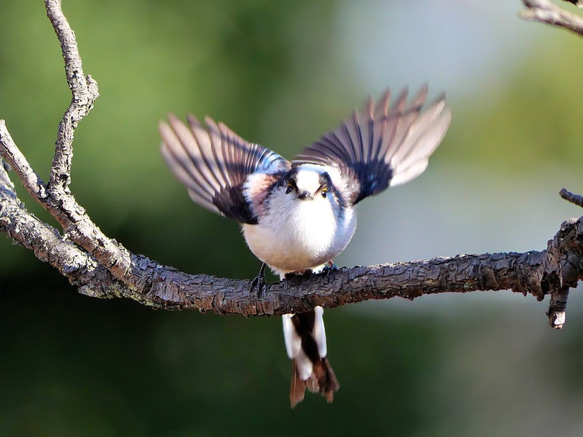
{"x": 297, "y": 216}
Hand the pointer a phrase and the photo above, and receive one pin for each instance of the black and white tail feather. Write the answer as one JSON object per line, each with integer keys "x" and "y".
{"x": 380, "y": 145}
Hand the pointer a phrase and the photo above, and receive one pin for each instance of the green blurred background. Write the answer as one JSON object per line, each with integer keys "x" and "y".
{"x": 281, "y": 73}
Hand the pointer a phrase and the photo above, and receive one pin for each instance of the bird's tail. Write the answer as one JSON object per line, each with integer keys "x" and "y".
{"x": 305, "y": 341}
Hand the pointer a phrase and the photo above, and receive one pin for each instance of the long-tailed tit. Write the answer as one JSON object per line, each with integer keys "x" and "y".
{"x": 297, "y": 216}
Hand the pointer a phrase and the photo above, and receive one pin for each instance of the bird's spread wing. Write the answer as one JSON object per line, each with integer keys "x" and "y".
{"x": 214, "y": 162}
{"x": 382, "y": 145}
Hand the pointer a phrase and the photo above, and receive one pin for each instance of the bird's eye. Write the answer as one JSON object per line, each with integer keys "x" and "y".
{"x": 289, "y": 188}
{"x": 324, "y": 191}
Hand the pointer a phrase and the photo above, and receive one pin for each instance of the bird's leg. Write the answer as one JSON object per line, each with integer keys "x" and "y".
{"x": 259, "y": 281}
{"x": 329, "y": 268}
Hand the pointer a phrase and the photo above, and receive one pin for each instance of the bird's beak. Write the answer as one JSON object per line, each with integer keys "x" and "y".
{"x": 305, "y": 195}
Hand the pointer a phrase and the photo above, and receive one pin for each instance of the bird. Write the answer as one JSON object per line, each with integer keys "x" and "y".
{"x": 297, "y": 216}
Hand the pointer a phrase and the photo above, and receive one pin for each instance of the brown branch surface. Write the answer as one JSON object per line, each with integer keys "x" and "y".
{"x": 102, "y": 267}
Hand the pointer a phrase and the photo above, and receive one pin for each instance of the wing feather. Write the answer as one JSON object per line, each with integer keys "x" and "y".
{"x": 383, "y": 144}
{"x": 213, "y": 163}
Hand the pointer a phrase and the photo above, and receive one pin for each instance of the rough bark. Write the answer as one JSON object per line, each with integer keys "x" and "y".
{"x": 101, "y": 267}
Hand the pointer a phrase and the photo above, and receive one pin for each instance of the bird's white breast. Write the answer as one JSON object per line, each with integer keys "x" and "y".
{"x": 300, "y": 234}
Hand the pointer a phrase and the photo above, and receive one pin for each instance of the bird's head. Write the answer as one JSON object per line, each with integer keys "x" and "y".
{"x": 308, "y": 182}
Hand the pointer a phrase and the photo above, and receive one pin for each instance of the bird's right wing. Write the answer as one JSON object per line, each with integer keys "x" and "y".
{"x": 213, "y": 163}
{"x": 382, "y": 145}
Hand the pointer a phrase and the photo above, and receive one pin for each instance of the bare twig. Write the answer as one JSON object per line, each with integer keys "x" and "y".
{"x": 570, "y": 197}
{"x": 32, "y": 182}
{"x": 84, "y": 93}
{"x": 546, "y": 12}
{"x": 557, "y": 308}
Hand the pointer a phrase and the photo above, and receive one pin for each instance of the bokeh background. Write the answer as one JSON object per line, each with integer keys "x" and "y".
{"x": 281, "y": 74}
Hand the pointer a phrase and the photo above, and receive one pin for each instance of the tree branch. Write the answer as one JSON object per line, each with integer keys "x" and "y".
{"x": 545, "y": 12}
{"x": 84, "y": 93}
{"x": 102, "y": 267}
{"x": 57, "y": 198}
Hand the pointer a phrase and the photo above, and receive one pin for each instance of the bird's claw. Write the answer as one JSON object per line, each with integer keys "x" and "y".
{"x": 259, "y": 282}
{"x": 329, "y": 268}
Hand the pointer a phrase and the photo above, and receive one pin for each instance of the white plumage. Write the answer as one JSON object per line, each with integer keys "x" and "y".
{"x": 303, "y": 233}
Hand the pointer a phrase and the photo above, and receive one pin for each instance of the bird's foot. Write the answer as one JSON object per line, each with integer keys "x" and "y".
{"x": 259, "y": 282}
{"x": 329, "y": 268}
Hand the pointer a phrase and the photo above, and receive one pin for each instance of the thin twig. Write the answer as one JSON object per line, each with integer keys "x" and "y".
{"x": 545, "y": 12}
{"x": 575, "y": 199}
{"x": 31, "y": 181}
{"x": 84, "y": 93}
{"x": 558, "y": 307}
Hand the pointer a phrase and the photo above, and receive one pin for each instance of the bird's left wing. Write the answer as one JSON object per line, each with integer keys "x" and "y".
{"x": 214, "y": 163}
